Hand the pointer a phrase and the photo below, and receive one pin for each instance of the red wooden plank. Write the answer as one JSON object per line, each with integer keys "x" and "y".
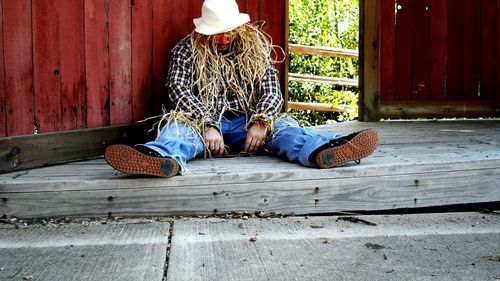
{"x": 472, "y": 39}
{"x": 273, "y": 14}
{"x": 421, "y": 64}
{"x": 455, "y": 51}
{"x": 120, "y": 57}
{"x": 387, "y": 49}
{"x": 46, "y": 65}
{"x": 489, "y": 49}
{"x": 96, "y": 63}
{"x": 161, "y": 51}
{"x": 18, "y": 64}
{"x": 251, "y": 7}
{"x": 438, "y": 53}
{"x": 167, "y": 32}
{"x": 3, "y": 115}
{"x": 403, "y": 57}
{"x": 142, "y": 58}
{"x": 498, "y": 56}
{"x": 72, "y": 57}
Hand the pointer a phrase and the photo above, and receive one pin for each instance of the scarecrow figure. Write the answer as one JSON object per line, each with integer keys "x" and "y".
{"x": 225, "y": 87}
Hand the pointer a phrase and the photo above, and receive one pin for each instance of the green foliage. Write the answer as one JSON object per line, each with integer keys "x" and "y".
{"x": 331, "y": 23}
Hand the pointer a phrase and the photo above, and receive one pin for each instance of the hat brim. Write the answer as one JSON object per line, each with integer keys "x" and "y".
{"x": 203, "y": 28}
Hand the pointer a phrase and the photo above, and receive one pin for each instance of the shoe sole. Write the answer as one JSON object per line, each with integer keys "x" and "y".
{"x": 130, "y": 161}
{"x": 357, "y": 148}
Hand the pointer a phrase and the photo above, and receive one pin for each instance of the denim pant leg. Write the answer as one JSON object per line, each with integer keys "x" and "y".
{"x": 178, "y": 141}
{"x": 235, "y": 132}
{"x": 294, "y": 142}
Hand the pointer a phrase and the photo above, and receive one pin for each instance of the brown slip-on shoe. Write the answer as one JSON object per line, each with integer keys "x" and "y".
{"x": 339, "y": 151}
{"x": 129, "y": 160}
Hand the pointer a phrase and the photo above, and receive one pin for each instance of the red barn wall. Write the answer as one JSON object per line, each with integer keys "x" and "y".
{"x": 74, "y": 64}
{"x": 439, "y": 58}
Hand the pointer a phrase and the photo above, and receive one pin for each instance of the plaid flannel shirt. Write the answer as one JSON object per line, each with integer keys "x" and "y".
{"x": 183, "y": 95}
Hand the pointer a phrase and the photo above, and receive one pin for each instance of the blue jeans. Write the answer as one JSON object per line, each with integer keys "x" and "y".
{"x": 182, "y": 143}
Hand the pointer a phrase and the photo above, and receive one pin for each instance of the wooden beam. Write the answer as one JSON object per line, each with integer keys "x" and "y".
{"x": 322, "y": 79}
{"x": 438, "y": 109}
{"x": 323, "y": 51}
{"x": 321, "y": 107}
{"x": 369, "y": 96}
{"x": 29, "y": 151}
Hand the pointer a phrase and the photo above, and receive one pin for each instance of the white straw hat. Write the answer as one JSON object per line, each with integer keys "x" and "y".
{"x": 219, "y": 16}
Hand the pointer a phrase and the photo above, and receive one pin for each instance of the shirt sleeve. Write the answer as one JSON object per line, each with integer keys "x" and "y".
{"x": 271, "y": 101}
{"x": 180, "y": 87}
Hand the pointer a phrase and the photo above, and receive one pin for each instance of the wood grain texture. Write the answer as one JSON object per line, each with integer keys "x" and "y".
{"x": 455, "y": 54}
{"x": 97, "y": 63}
{"x": 472, "y": 61}
{"x": 161, "y": 54}
{"x": 3, "y": 96}
{"x": 421, "y": 52}
{"x": 120, "y": 58}
{"x": 489, "y": 49}
{"x": 142, "y": 58}
{"x": 46, "y": 39}
{"x": 23, "y": 152}
{"x": 72, "y": 65}
{"x": 438, "y": 109}
{"x": 18, "y": 63}
{"x": 439, "y": 48}
{"x": 387, "y": 49}
{"x": 370, "y": 61}
{"x": 417, "y": 164}
{"x": 404, "y": 49}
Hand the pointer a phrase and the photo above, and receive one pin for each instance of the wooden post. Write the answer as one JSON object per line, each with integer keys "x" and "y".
{"x": 369, "y": 95}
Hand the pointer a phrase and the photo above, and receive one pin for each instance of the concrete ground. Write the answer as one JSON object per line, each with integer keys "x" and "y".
{"x": 447, "y": 246}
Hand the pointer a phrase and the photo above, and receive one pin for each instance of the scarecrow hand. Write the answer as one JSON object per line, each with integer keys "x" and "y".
{"x": 256, "y": 137}
{"x": 214, "y": 142}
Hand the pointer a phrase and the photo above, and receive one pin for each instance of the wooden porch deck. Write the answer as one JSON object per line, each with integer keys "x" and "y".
{"x": 418, "y": 164}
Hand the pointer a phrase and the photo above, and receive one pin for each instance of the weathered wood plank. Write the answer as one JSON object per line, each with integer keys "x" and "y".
{"x": 72, "y": 69}
{"x": 438, "y": 55}
{"x": 23, "y": 152}
{"x": 97, "y": 63}
{"x": 322, "y": 79}
{"x": 421, "y": 52}
{"x": 142, "y": 58}
{"x": 472, "y": 61}
{"x": 318, "y": 107}
{"x": 161, "y": 51}
{"x": 438, "y": 109}
{"x": 376, "y": 192}
{"x": 387, "y": 49}
{"x": 417, "y": 164}
{"x": 489, "y": 49}
{"x": 18, "y": 62}
{"x": 404, "y": 49}
{"x": 323, "y": 51}
{"x": 46, "y": 38}
{"x": 120, "y": 58}
{"x": 3, "y": 96}
{"x": 370, "y": 61}
{"x": 455, "y": 55}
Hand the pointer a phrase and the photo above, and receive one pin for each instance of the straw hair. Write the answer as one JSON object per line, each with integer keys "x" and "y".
{"x": 240, "y": 69}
